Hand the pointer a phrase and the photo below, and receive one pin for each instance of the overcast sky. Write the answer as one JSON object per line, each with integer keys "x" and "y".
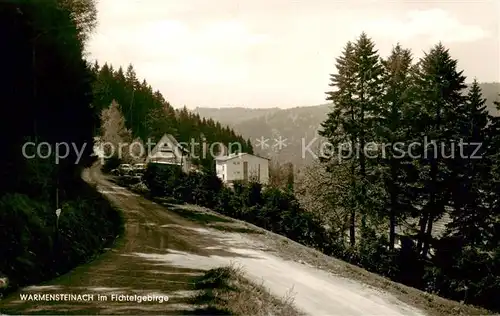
{"x": 266, "y": 53}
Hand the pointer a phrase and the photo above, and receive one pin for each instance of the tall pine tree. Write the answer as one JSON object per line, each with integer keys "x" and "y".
{"x": 340, "y": 128}
{"x": 470, "y": 216}
{"x": 367, "y": 96}
{"x": 439, "y": 98}
{"x": 392, "y": 121}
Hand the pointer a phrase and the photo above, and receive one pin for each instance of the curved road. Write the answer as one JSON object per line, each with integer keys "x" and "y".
{"x": 160, "y": 254}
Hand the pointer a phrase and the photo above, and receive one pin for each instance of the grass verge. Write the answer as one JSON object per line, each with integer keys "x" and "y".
{"x": 225, "y": 291}
{"x": 287, "y": 249}
{"x": 35, "y": 246}
{"x": 430, "y": 304}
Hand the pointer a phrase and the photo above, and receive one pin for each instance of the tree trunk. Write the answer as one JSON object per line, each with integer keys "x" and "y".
{"x": 421, "y": 234}
{"x": 394, "y": 207}
{"x": 432, "y": 209}
{"x": 392, "y": 228}
{"x": 352, "y": 225}
{"x": 352, "y": 228}
{"x": 362, "y": 158}
{"x": 428, "y": 237}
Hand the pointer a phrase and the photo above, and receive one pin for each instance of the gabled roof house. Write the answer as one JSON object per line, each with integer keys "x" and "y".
{"x": 169, "y": 151}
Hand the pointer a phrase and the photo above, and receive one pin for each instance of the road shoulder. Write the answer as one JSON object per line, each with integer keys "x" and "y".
{"x": 293, "y": 251}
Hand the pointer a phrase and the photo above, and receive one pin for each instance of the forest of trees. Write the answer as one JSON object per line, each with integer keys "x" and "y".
{"x": 397, "y": 100}
{"x": 48, "y": 90}
{"x": 378, "y": 209}
{"x": 281, "y": 175}
{"x": 58, "y": 97}
{"x": 147, "y": 115}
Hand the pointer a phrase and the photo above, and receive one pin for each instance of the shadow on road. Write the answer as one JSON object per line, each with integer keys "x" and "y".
{"x": 161, "y": 254}
{"x": 198, "y": 217}
{"x": 212, "y": 220}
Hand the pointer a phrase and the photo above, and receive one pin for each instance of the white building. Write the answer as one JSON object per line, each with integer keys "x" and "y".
{"x": 169, "y": 151}
{"x": 242, "y": 167}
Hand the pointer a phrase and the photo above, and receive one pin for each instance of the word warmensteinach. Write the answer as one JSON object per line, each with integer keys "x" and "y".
{"x": 94, "y": 297}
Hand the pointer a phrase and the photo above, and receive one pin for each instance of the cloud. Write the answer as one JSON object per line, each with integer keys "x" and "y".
{"x": 128, "y": 13}
{"x": 260, "y": 53}
{"x": 202, "y": 52}
{"x": 433, "y": 25}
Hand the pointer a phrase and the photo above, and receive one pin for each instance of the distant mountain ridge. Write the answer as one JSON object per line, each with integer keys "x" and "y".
{"x": 297, "y": 126}
{"x": 232, "y": 115}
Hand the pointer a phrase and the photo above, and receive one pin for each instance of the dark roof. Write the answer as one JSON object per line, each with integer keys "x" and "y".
{"x": 438, "y": 227}
{"x": 176, "y": 143}
{"x": 170, "y": 139}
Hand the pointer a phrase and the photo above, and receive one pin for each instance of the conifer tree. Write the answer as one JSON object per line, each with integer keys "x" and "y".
{"x": 368, "y": 87}
{"x": 439, "y": 98}
{"x": 391, "y": 129}
{"x": 340, "y": 128}
{"x": 357, "y": 97}
{"x": 490, "y": 184}
{"x": 149, "y": 116}
{"x": 470, "y": 215}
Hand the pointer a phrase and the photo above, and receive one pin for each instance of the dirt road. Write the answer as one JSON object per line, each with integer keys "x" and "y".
{"x": 162, "y": 251}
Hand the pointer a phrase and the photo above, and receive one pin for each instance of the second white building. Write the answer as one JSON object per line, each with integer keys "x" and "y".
{"x": 242, "y": 167}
